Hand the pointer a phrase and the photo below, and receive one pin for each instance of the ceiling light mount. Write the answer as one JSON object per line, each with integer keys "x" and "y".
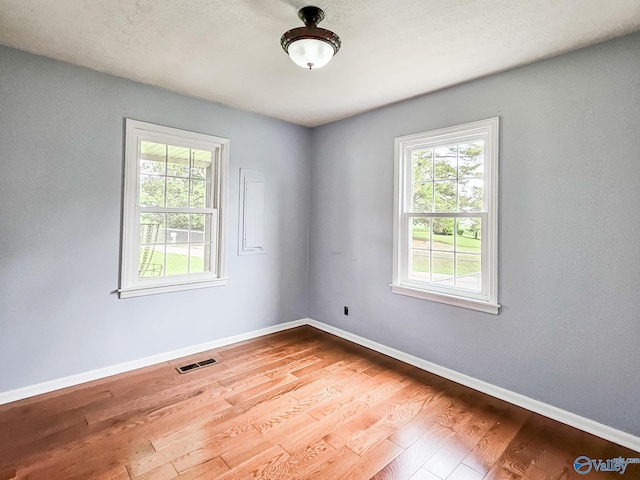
{"x": 309, "y": 46}
{"x": 311, "y": 15}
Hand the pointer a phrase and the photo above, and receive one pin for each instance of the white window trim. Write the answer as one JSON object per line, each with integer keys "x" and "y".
{"x": 487, "y": 301}
{"x": 130, "y": 284}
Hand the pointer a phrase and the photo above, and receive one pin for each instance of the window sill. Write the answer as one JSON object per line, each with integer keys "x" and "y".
{"x": 471, "y": 304}
{"x": 139, "y": 291}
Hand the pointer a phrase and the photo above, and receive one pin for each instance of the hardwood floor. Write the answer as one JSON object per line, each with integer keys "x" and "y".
{"x": 292, "y": 405}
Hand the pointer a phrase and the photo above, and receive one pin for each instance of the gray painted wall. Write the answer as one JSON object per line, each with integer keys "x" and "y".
{"x": 61, "y": 168}
{"x": 569, "y": 330}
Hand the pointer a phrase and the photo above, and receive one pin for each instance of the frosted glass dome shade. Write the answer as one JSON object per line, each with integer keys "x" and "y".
{"x": 310, "y": 46}
{"x": 310, "y": 53}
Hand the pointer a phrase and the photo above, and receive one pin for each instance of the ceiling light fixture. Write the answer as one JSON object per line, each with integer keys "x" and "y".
{"x": 310, "y": 46}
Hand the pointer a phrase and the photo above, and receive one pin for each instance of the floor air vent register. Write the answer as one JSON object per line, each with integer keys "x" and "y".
{"x": 194, "y": 366}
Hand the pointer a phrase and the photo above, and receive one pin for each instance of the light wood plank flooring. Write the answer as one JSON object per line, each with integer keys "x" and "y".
{"x": 292, "y": 405}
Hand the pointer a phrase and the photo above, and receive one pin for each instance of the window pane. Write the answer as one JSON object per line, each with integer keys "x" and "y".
{"x": 443, "y": 233}
{"x": 422, "y": 165}
{"x": 152, "y": 228}
{"x": 423, "y": 197}
{"x": 209, "y": 259}
{"x": 177, "y": 227}
{"x": 445, "y": 196}
{"x": 420, "y": 233}
{"x": 151, "y": 191}
{"x": 198, "y": 193}
{"x": 201, "y": 164}
{"x": 471, "y": 195}
{"x": 177, "y": 259}
{"x": 443, "y": 268}
{"x": 420, "y": 265}
{"x": 471, "y": 159}
{"x": 177, "y": 192}
{"x": 178, "y": 162}
{"x": 446, "y": 162}
{"x": 196, "y": 230}
{"x": 152, "y": 158}
{"x": 469, "y": 239}
{"x": 468, "y": 271}
{"x": 196, "y": 258}
{"x": 150, "y": 261}
{"x": 208, "y": 224}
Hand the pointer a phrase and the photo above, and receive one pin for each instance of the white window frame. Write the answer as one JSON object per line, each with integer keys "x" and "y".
{"x": 131, "y": 285}
{"x": 487, "y": 299}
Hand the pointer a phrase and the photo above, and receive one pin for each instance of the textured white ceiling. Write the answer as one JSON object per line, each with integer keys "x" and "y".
{"x": 228, "y": 51}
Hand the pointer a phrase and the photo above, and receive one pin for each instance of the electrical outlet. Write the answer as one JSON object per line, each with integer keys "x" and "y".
{"x": 346, "y": 310}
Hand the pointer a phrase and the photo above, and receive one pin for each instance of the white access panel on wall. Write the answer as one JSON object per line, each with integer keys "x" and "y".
{"x": 251, "y": 222}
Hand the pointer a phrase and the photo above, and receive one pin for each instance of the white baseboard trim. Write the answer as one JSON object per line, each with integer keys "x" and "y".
{"x": 590, "y": 426}
{"x": 73, "y": 380}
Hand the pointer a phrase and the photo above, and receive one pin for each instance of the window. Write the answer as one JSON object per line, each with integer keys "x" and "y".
{"x": 175, "y": 190}
{"x": 446, "y": 216}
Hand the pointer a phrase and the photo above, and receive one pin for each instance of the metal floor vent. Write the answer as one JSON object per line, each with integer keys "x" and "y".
{"x": 193, "y": 366}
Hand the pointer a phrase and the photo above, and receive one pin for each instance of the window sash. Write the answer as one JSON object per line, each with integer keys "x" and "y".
{"x": 406, "y": 252}
{"x": 177, "y": 278}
